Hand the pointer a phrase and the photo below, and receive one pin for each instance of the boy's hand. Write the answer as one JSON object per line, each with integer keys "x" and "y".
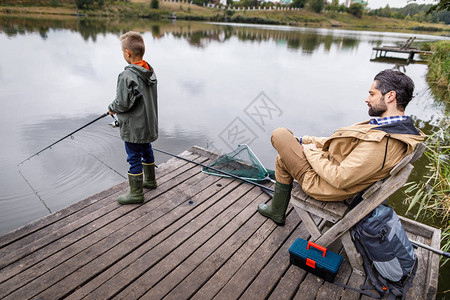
{"x": 111, "y": 112}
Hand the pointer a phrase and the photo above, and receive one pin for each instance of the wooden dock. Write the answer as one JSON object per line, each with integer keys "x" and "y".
{"x": 196, "y": 236}
{"x": 382, "y": 51}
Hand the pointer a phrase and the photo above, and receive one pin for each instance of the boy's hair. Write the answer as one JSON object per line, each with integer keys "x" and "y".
{"x": 134, "y": 42}
{"x": 390, "y": 80}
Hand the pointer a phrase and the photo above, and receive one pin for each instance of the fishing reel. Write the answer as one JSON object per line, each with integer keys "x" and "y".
{"x": 114, "y": 123}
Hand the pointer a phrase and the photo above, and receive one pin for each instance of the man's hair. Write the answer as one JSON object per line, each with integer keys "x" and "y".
{"x": 134, "y": 42}
{"x": 401, "y": 84}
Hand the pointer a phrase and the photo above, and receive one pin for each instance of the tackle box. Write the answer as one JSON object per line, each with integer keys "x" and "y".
{"x": 315, "y": 259}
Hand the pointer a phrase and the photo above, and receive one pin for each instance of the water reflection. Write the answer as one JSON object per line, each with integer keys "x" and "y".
{"x": 198, "y": 35}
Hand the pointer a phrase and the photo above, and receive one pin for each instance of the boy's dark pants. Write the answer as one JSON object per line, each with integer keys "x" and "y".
{"x": 138, "y": 154}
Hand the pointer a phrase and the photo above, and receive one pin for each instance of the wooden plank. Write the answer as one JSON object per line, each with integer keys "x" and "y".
{"x": 155, "y": 235}
{"x": 337, "y": 208}
{"x": 332, "y": 291}
{"x": 432, "y": 237}
{"x": 391, "y": 185}
{"x": 204, "y": 152}
{"x": 78, "y": 229}
{"x": 38, "y": 225}
{"x": 232, "y": 265}
{"x": 332, "y": 211}
{"x": 419, "y": 228}
{"x": 34, "y": 227}
{"x": 417, "y": 291}
{"x": 243, "y": 278}
{"x": 316, "y": 210}
{"x": 114, "y": 235}
{"x": 372, "y": 189}
{"x": 355, "y": 281}
{"x": 268, "y": 278}
{"x": 136, "y": 278}
{"x": 353, "y": 255}
{"x": 431, "y": 283}
{"x": 189, "y": 276}
{"x": 290, "y": 281}
{"x": 401, "y": 164}
{"x": 116, "y": 252}
{"x": 418, "y": 152}
{"x": 47, "y": 233}
{"x": 308, "y": 223}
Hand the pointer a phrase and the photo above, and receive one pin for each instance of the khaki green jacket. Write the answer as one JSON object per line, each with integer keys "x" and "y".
{"x": 355, "y": 157}
{"x": 136, "y": 105}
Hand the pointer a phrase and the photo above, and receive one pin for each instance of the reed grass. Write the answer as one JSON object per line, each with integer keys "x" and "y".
{"x": 431, "y": 197}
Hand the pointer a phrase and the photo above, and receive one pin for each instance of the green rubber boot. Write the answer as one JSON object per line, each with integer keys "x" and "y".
{"x": 149, "y": 176}
{"x": 277, "y": 210}
{"x": 136, "y": 195}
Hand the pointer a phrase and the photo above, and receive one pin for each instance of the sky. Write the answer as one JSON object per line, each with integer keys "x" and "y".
{"x": 373, "y": 4}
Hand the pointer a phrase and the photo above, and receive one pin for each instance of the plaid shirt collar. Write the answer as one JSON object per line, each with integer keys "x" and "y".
{"x": 387, "y": 120}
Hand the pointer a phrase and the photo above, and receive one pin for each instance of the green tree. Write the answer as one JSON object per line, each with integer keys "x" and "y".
{"x": 443, "y": 5}
{"x": 342, "y": 8}
{"x": 83, "y": 4}
{"x": 386, "y": 11}
{"x": 316, "y": 5}
{"x": 154, "y": 4}
{"x": 298, "y": 3}
{"x": 356, "y": 9}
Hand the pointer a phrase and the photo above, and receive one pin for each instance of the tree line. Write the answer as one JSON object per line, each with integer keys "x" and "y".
{"x": 438, "y": 13}
{"x": 421, "y": 13}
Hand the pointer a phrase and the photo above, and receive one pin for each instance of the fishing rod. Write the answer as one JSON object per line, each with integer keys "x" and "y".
{"x": 70, "y": 134}
{"x": 265, "y": 188}
{"x": 440, "y": 252}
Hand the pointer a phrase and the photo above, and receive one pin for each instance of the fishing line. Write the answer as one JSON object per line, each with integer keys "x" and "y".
{"x": 35, "y": 192}
{"x": 69, "y": 135}
{"x": 109, "y": 167}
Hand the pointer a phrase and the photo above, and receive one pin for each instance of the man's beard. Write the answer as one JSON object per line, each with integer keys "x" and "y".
{"x": 378, "y": 110}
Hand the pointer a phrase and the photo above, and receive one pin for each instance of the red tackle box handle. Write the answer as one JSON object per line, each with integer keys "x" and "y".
{"x": 314, "y": 245}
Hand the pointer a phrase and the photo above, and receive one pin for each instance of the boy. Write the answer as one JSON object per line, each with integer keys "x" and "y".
{"x": 137, "y": 110}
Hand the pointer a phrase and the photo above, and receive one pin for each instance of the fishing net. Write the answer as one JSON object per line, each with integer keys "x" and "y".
{"x": 241, "y": 162}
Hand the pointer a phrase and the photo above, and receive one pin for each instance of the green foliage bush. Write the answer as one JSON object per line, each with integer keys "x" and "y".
{"x": 356, "y": 9}
{"x": 439, "y": 65}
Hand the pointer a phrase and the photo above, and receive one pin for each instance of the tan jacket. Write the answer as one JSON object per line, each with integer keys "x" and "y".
{"x": 355, "y": 157}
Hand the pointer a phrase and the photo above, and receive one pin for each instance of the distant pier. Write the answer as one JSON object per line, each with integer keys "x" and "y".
{"x": 403, "y": 48}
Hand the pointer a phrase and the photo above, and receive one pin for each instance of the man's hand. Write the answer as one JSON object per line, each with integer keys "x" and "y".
{"x": 111, "y": 113}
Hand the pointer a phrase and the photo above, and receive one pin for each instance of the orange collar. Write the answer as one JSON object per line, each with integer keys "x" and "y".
{"x": 143, "y": 64}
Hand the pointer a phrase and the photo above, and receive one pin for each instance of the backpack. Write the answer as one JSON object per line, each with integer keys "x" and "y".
{"x": 383, "y": 244}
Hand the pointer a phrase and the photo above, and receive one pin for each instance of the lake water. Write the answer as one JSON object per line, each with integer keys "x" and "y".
{"x": 220, "y": 85}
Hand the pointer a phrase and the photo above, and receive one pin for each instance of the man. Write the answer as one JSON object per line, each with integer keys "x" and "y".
{"x": 353, "y": 158}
